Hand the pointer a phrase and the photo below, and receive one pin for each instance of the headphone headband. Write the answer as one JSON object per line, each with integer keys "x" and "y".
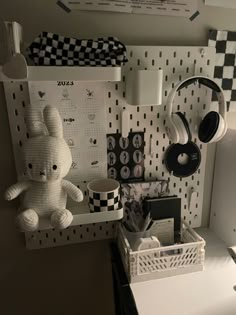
{"x": 204, "y": 81}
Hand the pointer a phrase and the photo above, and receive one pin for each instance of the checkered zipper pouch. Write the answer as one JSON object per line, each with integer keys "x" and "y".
{"x": 50, "y": 49}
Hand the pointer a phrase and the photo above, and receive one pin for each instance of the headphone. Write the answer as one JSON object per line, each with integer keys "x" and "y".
{"x": 213, "y": 126}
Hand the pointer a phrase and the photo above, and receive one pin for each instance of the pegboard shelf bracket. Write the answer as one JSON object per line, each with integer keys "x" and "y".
{"x": 88, "y": 218}
{"x": 44, "y": 73}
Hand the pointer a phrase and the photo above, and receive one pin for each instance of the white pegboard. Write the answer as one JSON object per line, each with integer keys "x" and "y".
{"x": 71, "y": 235}
{"x": 177, "y": 63}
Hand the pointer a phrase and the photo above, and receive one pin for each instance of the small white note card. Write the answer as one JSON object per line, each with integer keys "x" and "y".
{"x": 163, "y": 230}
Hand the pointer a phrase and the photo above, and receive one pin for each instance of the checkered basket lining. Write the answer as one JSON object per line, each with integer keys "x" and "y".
{"x": 50, "y": 49}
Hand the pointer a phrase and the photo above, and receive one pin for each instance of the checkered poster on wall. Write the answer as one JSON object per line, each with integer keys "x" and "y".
{"x": 125, "y": 156}
{"x": 225, "y": 64}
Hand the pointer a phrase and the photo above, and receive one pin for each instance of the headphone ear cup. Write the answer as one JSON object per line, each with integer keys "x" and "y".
{"x": 211, "y": 128}
{"x": 182, "y": 127}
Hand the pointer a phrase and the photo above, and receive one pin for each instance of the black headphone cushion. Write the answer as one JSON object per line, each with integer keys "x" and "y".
{"x": 186, "y": 125}
{"x": 208, "y": 127}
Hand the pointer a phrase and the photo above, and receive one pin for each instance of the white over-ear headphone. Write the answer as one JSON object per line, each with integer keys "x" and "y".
{"x": 213, "y": 126}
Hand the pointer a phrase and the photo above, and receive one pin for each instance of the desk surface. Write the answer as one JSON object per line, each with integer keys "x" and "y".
{"x": 210, "y": 292}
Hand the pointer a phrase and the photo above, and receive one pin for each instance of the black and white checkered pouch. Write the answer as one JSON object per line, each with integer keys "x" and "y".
{"x": 50, "y": 49}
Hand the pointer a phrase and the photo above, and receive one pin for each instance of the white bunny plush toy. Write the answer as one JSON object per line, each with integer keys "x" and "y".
{"x": 47, "y": 159}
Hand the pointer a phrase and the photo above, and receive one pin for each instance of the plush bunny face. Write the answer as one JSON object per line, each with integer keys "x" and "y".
{"x": 46, "y": 158}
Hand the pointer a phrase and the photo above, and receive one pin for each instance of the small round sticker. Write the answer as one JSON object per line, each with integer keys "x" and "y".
{"x": 111, "y": 158}
{"x": 125, "y": 172}
{"x": 111, "y": 143}
{"x": 112, "y": 173}
{"x": 138, "y": 171}
{"x": 124, "y": 157}
{"x": 137, "y": 156}
{"x": 124, "y": 143}
{"x": 137, "y": 141}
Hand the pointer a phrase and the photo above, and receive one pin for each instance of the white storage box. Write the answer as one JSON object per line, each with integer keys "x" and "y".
{"x": 164, "y": 261}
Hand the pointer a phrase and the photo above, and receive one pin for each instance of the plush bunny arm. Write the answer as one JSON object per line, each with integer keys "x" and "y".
{"x": 74, "y": 192}
{"x": 15, "y": 190}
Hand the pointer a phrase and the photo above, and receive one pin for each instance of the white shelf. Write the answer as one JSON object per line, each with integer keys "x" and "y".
{"x": 51, "y": 73}
{"x": 85, "y": 217}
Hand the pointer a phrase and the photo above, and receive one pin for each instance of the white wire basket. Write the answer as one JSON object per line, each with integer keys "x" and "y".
{"x": 164, "y": 261}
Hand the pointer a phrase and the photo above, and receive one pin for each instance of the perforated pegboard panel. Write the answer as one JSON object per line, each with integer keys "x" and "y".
{"x": 177, "y": 63}
{"x": 71, "y": 235}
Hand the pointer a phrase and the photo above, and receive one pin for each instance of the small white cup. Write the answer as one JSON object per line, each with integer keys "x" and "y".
{"x": 104, "y": 195}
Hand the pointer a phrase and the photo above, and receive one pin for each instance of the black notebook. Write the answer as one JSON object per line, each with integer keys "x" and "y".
{"x": 165, "y": 208}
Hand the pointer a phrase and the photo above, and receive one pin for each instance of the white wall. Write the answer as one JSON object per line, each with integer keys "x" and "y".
{"x": 36, "y": 16}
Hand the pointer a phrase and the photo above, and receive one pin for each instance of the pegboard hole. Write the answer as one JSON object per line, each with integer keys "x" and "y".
{"x": 109, "y": 110}
{"x": 131, "y": 53}
{"x": 18, "y": 128}
{"x": 181, "y": 62}
{"x": 188, "y": 54}
{"x": 116, "y": 87}
{"x": 153, "y": 62}
{"x": 13, "y": 96}
{"x": 16, "y": 112}
{"x": 109, "y": 94}
{"x": 138, "y": 62}
{"x": 144, "y": 116}
{"x": 146, "y": 54}
{"x": 183, "y": 159}
{"x": 167, "y": 62}
{"x": 130, "y": 116}
{"x": 21, "y": 87}
{"x": 160, "y": 54}
{"x": 166, "y": 78}
{"x": 117, "y": 102}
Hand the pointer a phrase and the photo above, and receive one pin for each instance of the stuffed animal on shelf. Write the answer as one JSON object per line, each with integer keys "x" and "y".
{"x": 47, "y": 159}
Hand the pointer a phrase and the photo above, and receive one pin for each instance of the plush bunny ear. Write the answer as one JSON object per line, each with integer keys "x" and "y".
{"x": 53, "y": 121}
{"x": 34, "y": 122}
